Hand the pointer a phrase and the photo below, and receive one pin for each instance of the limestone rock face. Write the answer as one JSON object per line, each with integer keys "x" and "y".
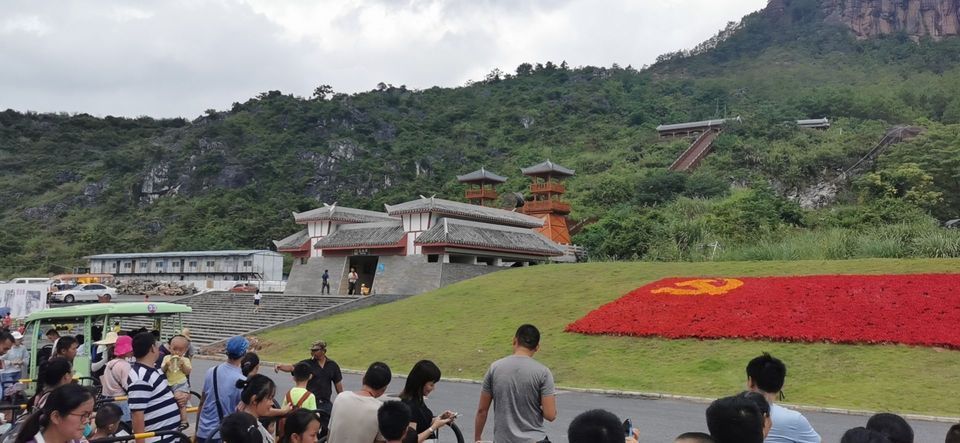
{"x": 871, "y": 18}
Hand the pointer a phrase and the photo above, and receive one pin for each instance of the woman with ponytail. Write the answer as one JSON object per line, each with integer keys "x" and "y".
{"x": 64, "y": 418}
{"x": 55, "y": 374}
{"x": 250, "y": 364}
{"x": 256, "y": 399}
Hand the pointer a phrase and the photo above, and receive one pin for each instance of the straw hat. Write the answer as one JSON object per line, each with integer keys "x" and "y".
{"x": 108, "y": 339}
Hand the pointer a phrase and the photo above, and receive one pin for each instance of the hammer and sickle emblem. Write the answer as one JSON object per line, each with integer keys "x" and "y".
{"x": 717, "y": 286}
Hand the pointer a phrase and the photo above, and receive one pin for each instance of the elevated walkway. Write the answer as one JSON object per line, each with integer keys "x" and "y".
{"x": 699, "y": 149}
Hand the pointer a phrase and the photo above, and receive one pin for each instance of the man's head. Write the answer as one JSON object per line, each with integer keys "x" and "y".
{"x": 6, "y": 342}
{"x": 302, "y": 372}
{"x": 393, "y": 419}
{"x": 766, "y": 374}
{"x": 527, "y": 337}
{"x": 863, "y": 435}
{"x": 236, "y": 347}
{"x": 694, "y": 437}
{"x": 893, "y": 426}
{"x": 953, "y": 435}
{"x": 596, "y": 426}
{"x": 145, "y": 347}
{"x": 735, "y": 419}
{"x": 318, "y": 350}
{"x": 377, "y": 378}
{"x": 66, "y": 347}
{"x": 52, "y": 334}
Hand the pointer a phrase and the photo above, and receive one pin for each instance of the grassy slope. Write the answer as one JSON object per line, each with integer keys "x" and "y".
{"x": 465, "y": 326}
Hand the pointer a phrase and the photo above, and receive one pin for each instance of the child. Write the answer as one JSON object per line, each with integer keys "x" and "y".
{"x": 177, "y": 368}
{"x": 107, "y": 421}
{"x": 256, "y": 300}
{"x": 299, "y": 396}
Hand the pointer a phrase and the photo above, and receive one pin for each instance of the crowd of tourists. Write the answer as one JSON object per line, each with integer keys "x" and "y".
{"x": 238, "y": 402}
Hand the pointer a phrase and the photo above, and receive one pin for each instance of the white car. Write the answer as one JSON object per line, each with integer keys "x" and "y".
{"x": 87, "y": 292}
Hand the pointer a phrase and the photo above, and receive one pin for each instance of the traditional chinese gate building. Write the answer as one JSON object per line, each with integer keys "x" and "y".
{"x": 413, "y": 247}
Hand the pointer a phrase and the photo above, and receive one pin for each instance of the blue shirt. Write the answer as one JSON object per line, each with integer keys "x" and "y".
{"x": 790, "y": 426}
{"x": 227, "y": 377}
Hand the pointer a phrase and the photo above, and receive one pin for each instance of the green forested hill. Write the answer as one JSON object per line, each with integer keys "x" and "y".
{"x": 72, "y": 185}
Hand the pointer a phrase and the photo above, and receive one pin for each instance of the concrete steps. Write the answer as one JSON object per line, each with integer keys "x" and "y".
{"x": 217, "y": 316}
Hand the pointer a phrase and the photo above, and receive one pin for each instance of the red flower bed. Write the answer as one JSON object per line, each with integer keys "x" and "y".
{"x": 919, "y": 309}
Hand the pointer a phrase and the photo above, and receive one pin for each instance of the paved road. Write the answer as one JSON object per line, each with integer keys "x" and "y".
{"x": 658, "y": 420}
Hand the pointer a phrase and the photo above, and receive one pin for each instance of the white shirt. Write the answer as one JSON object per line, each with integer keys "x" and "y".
{"x": 790, "y": 426}
{"x": 354, "y": 419}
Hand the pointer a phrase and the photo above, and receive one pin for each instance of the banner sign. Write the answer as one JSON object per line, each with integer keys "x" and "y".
{"x": 23, "y": 299}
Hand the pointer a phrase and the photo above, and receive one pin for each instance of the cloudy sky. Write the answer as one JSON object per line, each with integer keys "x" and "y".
{"x": 167, "y": 58}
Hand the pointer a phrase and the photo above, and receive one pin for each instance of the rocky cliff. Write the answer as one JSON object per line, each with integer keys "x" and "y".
{"x": 871, "y": 18}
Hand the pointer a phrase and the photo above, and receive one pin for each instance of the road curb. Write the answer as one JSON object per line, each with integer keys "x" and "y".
{"x": 663, "y": 396}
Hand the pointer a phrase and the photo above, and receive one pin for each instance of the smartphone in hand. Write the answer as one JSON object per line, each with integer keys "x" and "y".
{"x": 627, "y": 428}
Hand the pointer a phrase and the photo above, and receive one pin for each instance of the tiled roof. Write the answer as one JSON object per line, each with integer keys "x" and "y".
{"x": 230, "y": 253}
{"x": 294, "y": 241}
{"x": 487, "y": 236}
{"x": 481, "y": 175}
{"x": 364, "y": 235}
{"x": 547, "y": 167}
{"x": 340, "y": 214}
{"x": 465, "y": 211}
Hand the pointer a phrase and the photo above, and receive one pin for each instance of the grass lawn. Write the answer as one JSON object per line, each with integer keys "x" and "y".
{"x": 466, "y": 326}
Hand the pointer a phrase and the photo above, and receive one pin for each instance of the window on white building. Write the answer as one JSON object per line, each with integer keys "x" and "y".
{"x": 159, "y": 265}
{"x": 210, "y": 263}
{"x": 193, "y": 264}
{"x": 247, "y": 263}
{"x": 127, "y": 265}
{"x": 176, "y": 264}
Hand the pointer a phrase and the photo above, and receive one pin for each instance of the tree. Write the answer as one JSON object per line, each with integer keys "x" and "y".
{"x": 906, "y": 181}
{"x": 322, "y": 92}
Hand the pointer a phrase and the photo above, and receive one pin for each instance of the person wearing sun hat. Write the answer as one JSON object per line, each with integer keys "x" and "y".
{"x": 116, "y": 373}
{"x": 101, "y": 351}
{"x": 221, "y": 395}
{"x": 18, "y": 356}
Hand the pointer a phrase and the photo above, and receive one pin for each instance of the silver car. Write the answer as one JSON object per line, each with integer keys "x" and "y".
{"x": 87, "y": 292}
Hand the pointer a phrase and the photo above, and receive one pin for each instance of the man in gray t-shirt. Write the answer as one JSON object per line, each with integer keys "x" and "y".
{"x": 523, "y": 393}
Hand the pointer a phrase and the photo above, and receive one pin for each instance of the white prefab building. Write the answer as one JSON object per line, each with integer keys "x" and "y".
{"x": 191, "y": 266}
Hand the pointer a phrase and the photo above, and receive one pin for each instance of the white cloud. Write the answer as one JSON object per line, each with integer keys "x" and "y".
{"x": 180, "y": 57}
{"x": 30, "y": 24}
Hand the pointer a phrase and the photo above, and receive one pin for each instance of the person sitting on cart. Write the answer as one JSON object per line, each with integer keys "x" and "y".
{"x": 57, "y": 372}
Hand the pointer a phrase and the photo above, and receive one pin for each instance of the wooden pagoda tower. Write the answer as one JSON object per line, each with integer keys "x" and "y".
{"x": 482, "y": 186}
{"x": 548, "y": 189}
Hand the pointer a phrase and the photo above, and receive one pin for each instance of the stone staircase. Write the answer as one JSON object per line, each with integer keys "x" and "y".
{"x": 217, "y": 316}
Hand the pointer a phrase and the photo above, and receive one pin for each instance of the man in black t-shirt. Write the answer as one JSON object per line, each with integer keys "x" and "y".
{"x": 326, "y": 374}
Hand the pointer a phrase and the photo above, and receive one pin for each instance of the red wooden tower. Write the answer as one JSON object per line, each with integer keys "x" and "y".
{"x": 482, "y": 188}
{"x": 547, "y": 204}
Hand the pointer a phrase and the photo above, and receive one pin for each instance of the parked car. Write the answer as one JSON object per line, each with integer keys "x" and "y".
{"x": 244, "y": 287}
{"x": 87, "y": 292}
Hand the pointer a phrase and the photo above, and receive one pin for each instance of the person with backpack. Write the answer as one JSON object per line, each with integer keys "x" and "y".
{"x": 299, "y": 396}
{"x": 221, "y": 393}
